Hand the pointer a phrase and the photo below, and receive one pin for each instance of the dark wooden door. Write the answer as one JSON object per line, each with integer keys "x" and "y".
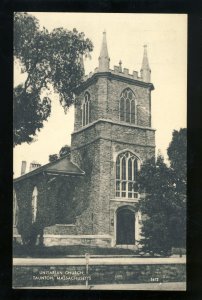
{"x": 125, "y": 228}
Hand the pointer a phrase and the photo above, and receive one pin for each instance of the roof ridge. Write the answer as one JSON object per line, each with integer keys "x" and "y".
{"x": 37, "y": 170}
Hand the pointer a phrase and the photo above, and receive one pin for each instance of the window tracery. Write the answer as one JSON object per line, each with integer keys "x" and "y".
{"x": 127, "y": 165}
{"x": 127, "y": 106}
{"x": 86, "y": 109}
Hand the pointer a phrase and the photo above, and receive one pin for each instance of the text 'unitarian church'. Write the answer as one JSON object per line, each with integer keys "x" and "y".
{"x": 92, "y": 199}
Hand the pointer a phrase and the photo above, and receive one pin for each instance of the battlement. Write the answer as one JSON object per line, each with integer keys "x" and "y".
{"x": 104, "y": 66}
{"x": 117, "y": 71}
{"x": 125, "y": 73}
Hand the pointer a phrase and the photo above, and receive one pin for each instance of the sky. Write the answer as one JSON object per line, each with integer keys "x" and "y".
{"x": 166, "y": 38}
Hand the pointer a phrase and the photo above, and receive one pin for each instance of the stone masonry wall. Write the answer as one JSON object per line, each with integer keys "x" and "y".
{"x": 87, "y": 191}
{"x": 102, "y": 142}
{"x": 24, "y": 190}
{"x": 105, "y": 95}
{"x": 97, "y": 144}
{"x": 34, "y": 276}
{"x": 122, "y": 133}
{"x": 49, "y": 197}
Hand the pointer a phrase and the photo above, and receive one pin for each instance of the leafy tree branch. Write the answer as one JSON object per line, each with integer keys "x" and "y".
{"x": 47, "y": 58}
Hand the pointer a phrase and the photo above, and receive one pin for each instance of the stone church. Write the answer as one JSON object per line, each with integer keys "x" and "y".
{"x": 92, "y": 197}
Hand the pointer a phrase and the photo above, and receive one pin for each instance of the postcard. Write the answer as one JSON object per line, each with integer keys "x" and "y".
{"x": 99, "y": 189}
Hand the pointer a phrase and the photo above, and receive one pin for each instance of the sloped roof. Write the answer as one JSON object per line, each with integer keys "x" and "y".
{"x": 61, "y": 166}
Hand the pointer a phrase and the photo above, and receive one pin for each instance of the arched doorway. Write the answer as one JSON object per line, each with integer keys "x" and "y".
{"x": 125, "y": 226}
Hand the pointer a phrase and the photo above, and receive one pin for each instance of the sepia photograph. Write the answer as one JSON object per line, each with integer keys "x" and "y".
{"x": 100, "y": 151}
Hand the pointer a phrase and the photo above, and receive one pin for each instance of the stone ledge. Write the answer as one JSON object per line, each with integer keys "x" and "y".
{"x": 65, "y": 225}
{"x": 125, "y": 200}
{"x": 70, "y": 240}
{"x": 165, "y": 286}
{"x": 78, "y": 236}
{"x": 113, "y": 75}
{"x": 115, "y": 123}
{"x": 98, "y": 261}
{"x": 111, "y": 140}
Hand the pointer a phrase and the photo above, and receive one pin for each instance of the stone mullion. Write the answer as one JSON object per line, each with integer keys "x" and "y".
{"x": 85, "y": 112}
{"x": 127, "y": 182}
{"x": 88, "y": 111}
{"x": 121, "y": 176}
{"x": 83, "y": 115}
{"x": 84, "y": 108}
{"x": 133, "y": 176}
{"x": 119, "y": 110}
{"x": 130, "y": 111}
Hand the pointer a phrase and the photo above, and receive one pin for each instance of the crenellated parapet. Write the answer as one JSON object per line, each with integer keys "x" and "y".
{"x": 125, "y": 73}
{"x": 104, "y": 61}
{"x": 116, "y": 71}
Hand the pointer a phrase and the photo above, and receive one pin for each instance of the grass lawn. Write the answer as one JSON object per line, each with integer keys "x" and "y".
{"x": 63, "y": 251}
{"x": 21, "y": 251}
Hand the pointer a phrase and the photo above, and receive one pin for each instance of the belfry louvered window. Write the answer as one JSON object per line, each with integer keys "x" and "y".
{"x": 126, "y": 175}
{"x": 127, "y": 107}
{"x": 86, "y": 109}
{"x": 34, "y": 204}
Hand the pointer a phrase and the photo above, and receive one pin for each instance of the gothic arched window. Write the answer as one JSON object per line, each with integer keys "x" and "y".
{"x": 127, "y": 107}
{"x": 127, "y": 165}
{"x": 86, "y": 109}
{"x": 34, "y": 204}
{"x": 15, "y": 209}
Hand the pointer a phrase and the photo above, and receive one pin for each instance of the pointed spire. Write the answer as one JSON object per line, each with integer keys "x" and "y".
{"x": 145, "y": 70}
{"x": 145, "y": 62}
{"x": 104, "y": 57}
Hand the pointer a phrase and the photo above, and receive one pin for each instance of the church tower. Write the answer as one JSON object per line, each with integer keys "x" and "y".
{"x": 112, "y": 137}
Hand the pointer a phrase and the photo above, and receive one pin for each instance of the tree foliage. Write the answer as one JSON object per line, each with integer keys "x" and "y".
{"x": 65, "y": 150}
{"x": 49, "y": 59}
{"x": 164, "y": 201}
{"x": 53, "y": 157}
{"x": 177, "y": 153}
{"x": 29, "y": 112}
{"x": 155, "y": 181}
